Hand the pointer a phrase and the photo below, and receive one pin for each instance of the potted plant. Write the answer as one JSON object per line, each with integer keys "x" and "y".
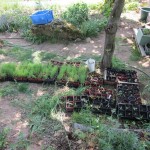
{"x": 7, "y": 70}
{"x": 143, "y": 108}
{"x": 70, "y": 103}
{"x": 143, "y": 36}
{"x": 60, "y": 78}
{"x": 82, "y": 73}
{"x": 144, "y": 115}
{"x": 21, "y": 73}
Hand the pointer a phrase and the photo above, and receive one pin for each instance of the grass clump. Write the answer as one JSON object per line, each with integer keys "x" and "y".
{"x": 23, "y": 87}
{"x": 47, "y": 56}
{"x": 3, "y": 138}
{"x": 118, "y": 140}
{"x": 8, "y": 90}
{"x": 135, "y": 54}
{"x": 117, "y": 63}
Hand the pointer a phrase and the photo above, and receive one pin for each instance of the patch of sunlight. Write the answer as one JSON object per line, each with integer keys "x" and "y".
{"x": 36, "y": 57}
{"x": 132, "y": 15}
{"x": 40, "y": 92}
{"x": 129, "y": 41}
{"x": 145, "y": 62}
{"x": 2, "y": 57}
{"x": 95, "y": 51}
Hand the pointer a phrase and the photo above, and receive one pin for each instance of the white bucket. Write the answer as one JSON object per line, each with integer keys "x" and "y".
{"x": 91, "y": 64}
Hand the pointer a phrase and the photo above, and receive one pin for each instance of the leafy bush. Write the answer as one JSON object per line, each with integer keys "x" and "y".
{"x": 93, "y": 26}
{"x": 76, "y": 14}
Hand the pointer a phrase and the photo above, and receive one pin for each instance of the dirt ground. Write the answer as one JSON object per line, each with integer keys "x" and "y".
{"x": 12, "y": 117}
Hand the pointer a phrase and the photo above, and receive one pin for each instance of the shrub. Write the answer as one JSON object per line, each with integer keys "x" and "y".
{"x": 92, "y": 27}
{"x": 132, "y": 6}
{"x": 76, "y": 14}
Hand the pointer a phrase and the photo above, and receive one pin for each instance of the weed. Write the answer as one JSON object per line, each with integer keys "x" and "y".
{"x": 135, "y": 54}
{"x": 3, "y": 140}
{"x": 118, "y": 140}
{"x": 21, "y": 144}
{"x": 47, "y": 56}
{"x": 2, "y": 52}
{"x": 23, "y": 87}
{"x": 21, "y": 54}
{"x": 80, "y": 135}
{"x": 117, "y": 63}
{"x": 8, "y": 90}
{"x": 85, "y": 117}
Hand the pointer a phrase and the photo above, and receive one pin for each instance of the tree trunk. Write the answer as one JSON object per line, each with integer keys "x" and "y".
{"x": 110, "y": 32}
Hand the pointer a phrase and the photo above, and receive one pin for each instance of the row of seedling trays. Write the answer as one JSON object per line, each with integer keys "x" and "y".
{"x": 128, "y": 93}
{"x": 98, "y": 105}
{"x": 93, "y": 80}
{"x": 130, "y": 111}
{"x": 99, "y": 92}
{"x": 59, "y": 63}
{"x": 113, "y": 76}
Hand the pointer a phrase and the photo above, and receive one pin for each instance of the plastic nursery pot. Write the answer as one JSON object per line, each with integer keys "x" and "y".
{"x": 148, "y": 108}
{"x": 77, "y": 98}
{"x": 121, "y": 107}
{"x": 70, "y": 98}
{"x": 61, "y": 82}
{"x": 35, "y": 80}
{"x": 144, "y": 14}
{"x": 73, "y": 84}
{"x": 2, "y": 79}
{"x": 50, "y": 80}
{"x": 148, "y": 115}
{"x": 136, "y": 114}
{"x": 21, "y": 79}
{"x": 129, "y": 114}
{"x": 144, "y": 115}
{"x": 129, "y": 107}
{"x": 143, "y": 108}
{"x": 9, "y": 78}
{"x": 78, "y": 105}
{"x": 69, "y": 106}
{"x": 58, "y": 63}
{"x": 147, "y": 49}
{"x": 87, "y": 83}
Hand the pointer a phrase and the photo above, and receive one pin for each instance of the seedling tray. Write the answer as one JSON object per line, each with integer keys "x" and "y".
{"x": 130, "y": 111}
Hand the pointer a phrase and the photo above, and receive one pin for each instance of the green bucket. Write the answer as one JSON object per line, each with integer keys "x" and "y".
{"x": 144, "y": 13}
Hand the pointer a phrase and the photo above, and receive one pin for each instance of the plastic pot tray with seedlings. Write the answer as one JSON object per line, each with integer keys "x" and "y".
{"x": 72, "y": 75}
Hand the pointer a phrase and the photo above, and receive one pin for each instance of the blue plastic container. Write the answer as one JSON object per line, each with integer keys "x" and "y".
{"x": 42, "y": 17}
